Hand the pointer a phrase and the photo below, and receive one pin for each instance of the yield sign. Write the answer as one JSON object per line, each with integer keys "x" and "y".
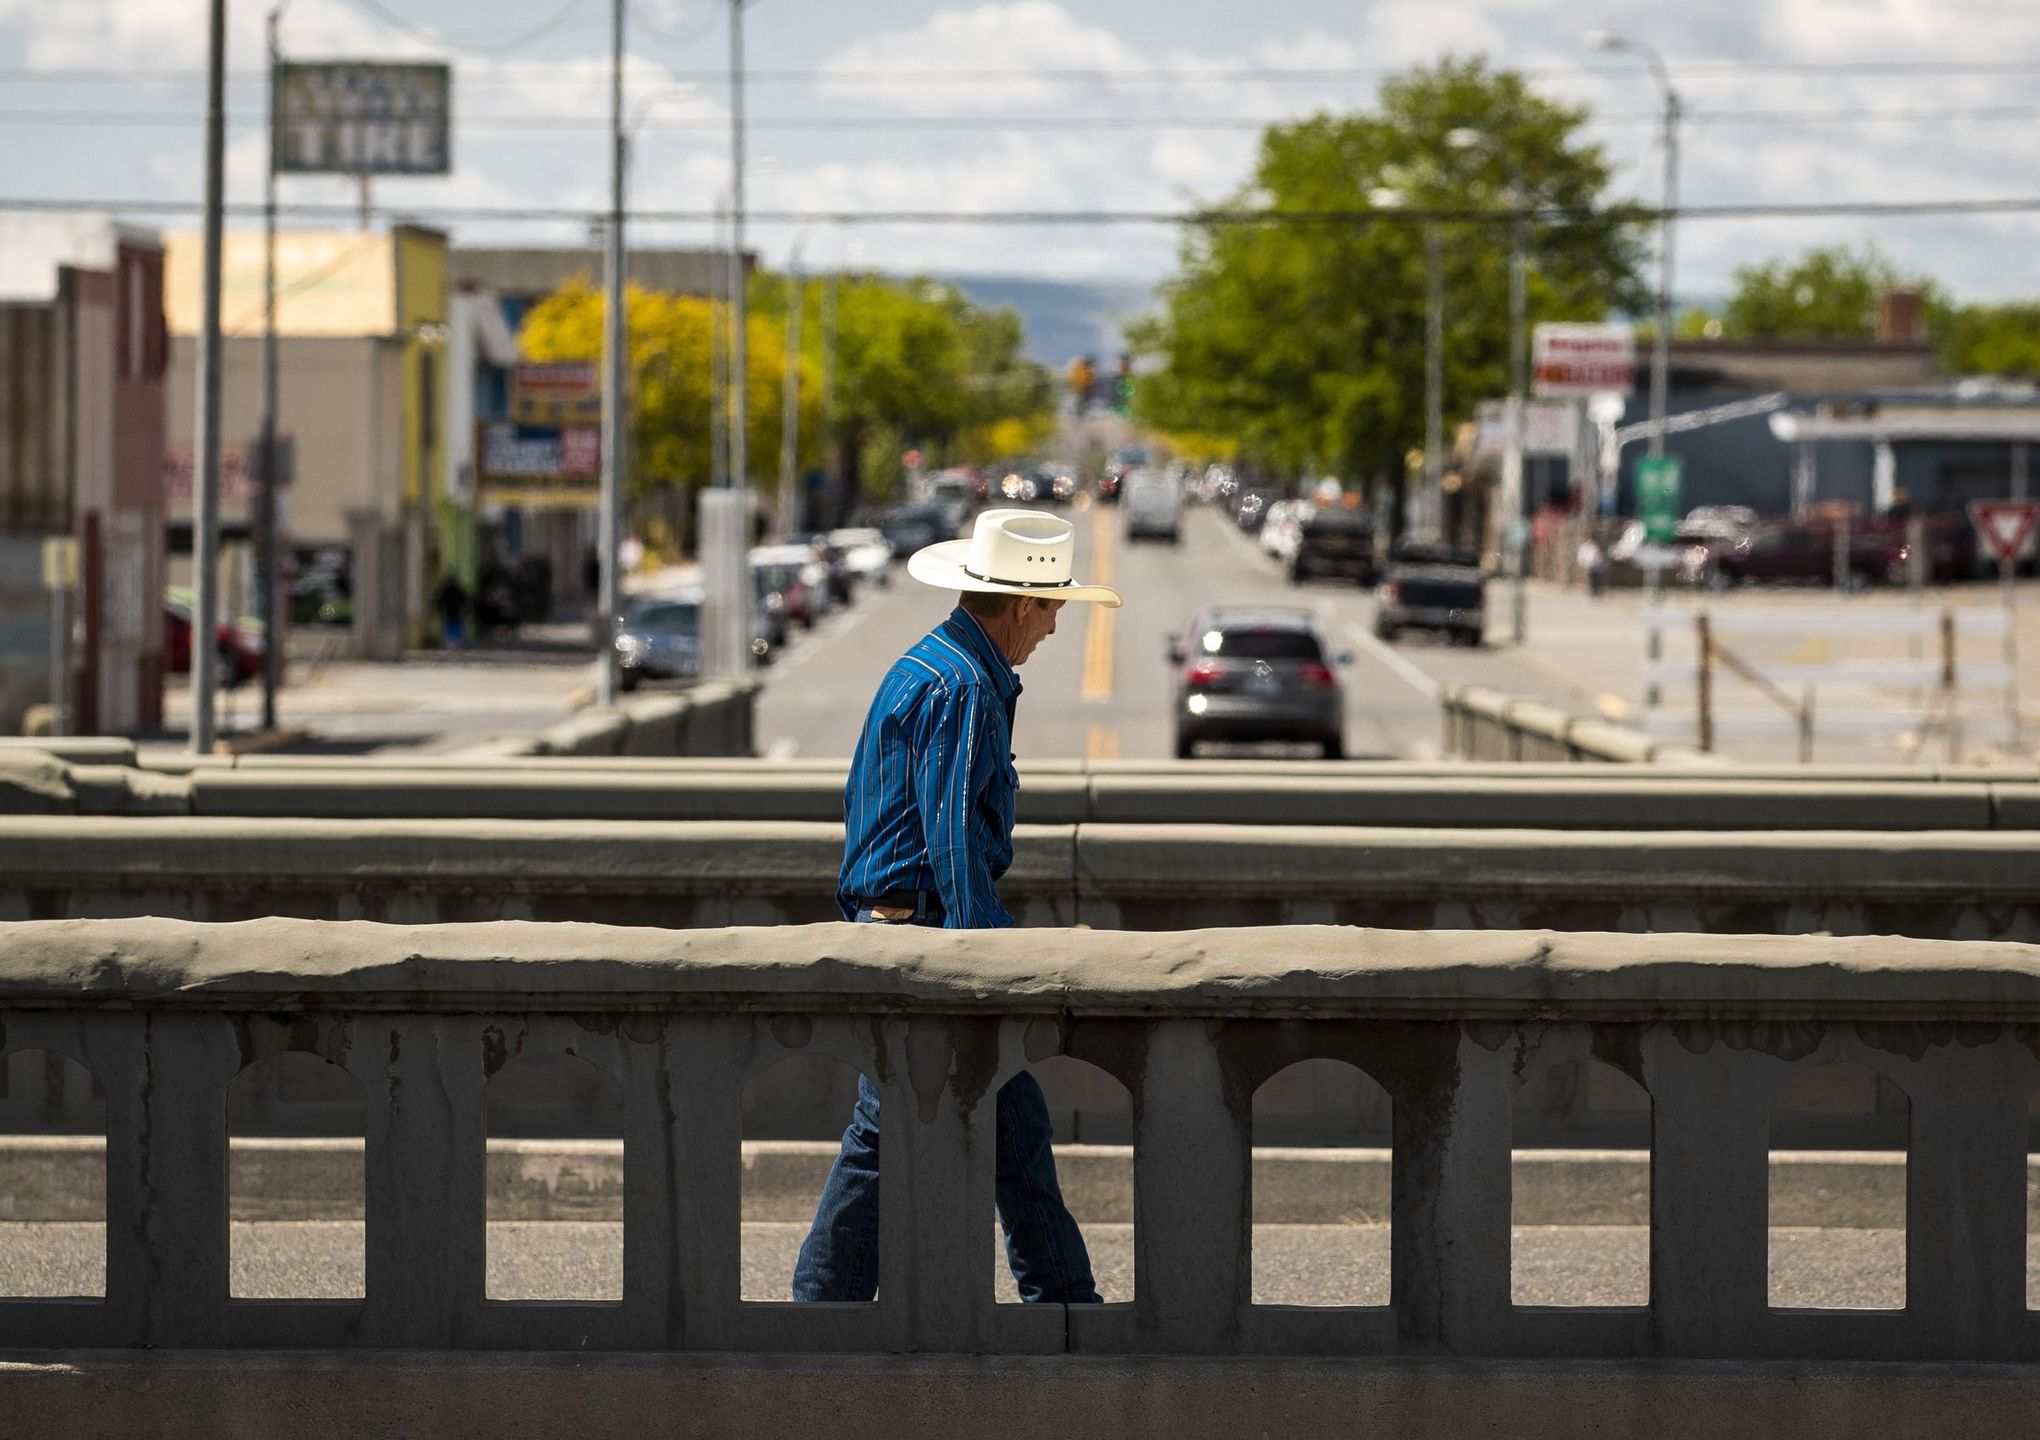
{"x": 2005, "y": 525}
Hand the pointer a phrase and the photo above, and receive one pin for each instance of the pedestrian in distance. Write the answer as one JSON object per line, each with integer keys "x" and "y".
{"x": 1593, "y": 562}
{"x": 928, "y": 831}
{"x": 452, "y": 601}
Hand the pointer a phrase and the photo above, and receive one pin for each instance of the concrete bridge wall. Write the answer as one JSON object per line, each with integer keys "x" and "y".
{"x": 1450, "y": 1025}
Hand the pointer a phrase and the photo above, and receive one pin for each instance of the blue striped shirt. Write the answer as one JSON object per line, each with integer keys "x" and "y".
{"x": 930, "y": 801}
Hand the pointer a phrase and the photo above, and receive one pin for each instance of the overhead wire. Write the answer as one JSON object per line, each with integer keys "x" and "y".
{"x": 1695, "y": 71}
{"x": 1214, "y": 215}
{"x": 509, "y": 46}
{"x": 485, "y": 122}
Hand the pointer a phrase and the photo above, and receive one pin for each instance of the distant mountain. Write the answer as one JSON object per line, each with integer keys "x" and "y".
{"x": 1063, "y": 319}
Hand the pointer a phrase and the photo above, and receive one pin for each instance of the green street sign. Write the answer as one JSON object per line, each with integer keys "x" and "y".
{"x": 1657, "y": 497}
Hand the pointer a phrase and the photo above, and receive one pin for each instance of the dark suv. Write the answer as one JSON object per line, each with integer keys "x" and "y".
{"x": 1256, "y": 675}
{"x": 1803, "y": 551}
{"x": 1334, "y": 541}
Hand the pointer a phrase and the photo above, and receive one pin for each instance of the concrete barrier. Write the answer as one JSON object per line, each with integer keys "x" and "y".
{"x": 1485, "y": 724}
{"x": 712, "y": 718}
{"x": 1453, "y": 1026}
{"x": 1630, "y": 798}
{"x": 694, "y": 874}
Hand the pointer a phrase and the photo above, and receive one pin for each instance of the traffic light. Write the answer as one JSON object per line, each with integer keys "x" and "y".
{"x": 1122, "y": 396}
{"x": 1083, "y": 374}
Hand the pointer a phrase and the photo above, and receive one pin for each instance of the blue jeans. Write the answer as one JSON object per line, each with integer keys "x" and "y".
{"x": 839, "y": 1259}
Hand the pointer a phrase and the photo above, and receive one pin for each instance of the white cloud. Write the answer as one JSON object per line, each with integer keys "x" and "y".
{"x": 1030, "y": 35}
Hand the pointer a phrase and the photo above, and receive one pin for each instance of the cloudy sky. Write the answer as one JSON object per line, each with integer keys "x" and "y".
{"x": 1044, "y": 105}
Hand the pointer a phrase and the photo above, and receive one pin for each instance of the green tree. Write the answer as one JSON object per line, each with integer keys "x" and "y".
{"x": 670, "y": 416}
{"x": 916, "y": 365}
{"x": 1303, "y": 342}
{"x": 1992, "y": 339}
{"x": 1828, "y": 293}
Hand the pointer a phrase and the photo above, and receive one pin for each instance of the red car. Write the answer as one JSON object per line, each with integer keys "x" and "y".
{"x": 240, "y": 646}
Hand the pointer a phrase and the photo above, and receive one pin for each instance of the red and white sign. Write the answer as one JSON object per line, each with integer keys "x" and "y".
{"x": 1582, "y": 360}
{"x": 2006, "y": 526}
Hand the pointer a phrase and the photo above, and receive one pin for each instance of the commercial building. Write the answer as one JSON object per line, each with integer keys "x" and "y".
{"x": 537, "y": 474}
{"x": 364, "y": 509}
{"x": 82, "y": 388}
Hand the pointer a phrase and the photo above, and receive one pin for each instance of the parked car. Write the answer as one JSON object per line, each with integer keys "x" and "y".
{"x": 1279, "y": 529}
{"x": 836, "y": 572}
{"x": 1250, "y": 507}
{"x": 1333, "y": 540}
{"x": 908, "y": 528}
{"x": 1802, "y": 551}
{"x": 1435, "y": 588}
{"x": 1256, "y": 675}
{"x": 1154, "y": 509}
{"x": 793, "y": 575}
{"x": 867, "y": 553}
{"x": 659, "y": 638}
{"x": 239, "y": 644}
{"x": 768, "y": 605}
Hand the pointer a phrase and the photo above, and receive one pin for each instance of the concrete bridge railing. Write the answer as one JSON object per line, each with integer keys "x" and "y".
{"x": 1615, "y": 798}
{"x": 1933, "y": 884}
{"x": 1484, "y": 724}
{"x": 165, "y": 1014}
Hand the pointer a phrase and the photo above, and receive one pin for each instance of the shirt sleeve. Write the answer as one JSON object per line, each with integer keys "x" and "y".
{"x": 961, "y": 752}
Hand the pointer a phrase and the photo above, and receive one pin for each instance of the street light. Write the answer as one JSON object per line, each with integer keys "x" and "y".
{"x": 1510, "y": 536}
{"x": 1660, "y": 353}
{"x": 1431, "y": 507}
{"x": 1661, "y": 345}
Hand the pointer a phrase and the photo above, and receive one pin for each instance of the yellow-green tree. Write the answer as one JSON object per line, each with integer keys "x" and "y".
{"x": 669, "y": 338}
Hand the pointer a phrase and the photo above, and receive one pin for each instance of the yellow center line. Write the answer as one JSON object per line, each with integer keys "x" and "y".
{"x": 1103, "y": 743}
{"x": 1098, "y": 624}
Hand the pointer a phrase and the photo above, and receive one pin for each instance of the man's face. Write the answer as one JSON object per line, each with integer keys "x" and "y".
{"x": 1037, "y": 618}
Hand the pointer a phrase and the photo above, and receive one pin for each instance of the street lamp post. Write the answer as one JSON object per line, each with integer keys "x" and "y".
{"x": 1434, "y": 382}
{"x": 1661, "y": 342}
{"x": 1660, "y": 358}
{"x": 609, "y": 518}
{"x": 205, "y": 449}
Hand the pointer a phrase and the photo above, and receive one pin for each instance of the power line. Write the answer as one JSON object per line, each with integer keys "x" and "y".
{"x": 507, "y": 46}
{"x": 1690, "y": 72}
{"x": 483, "y": 123}
{"x": 683, "y": 41}
{"x": 1217, "y": 215}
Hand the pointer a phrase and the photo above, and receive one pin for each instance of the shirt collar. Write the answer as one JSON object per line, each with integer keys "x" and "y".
{"x": 964, "y": 629}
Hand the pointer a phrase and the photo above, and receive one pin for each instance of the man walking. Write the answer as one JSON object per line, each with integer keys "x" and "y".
{"x": 928, "y": 822}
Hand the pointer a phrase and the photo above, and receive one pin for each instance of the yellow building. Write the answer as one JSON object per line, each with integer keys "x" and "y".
{"x": 361, "y": 321}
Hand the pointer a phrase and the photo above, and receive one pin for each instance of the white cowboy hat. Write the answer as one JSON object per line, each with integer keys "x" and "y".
{"x": 1010, "y": 552}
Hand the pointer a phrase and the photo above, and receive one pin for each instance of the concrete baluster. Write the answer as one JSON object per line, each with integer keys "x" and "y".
{"x": 1710, "y": 1194}
{"x": 1449, "y": 1265}
{"x": 1192, "y": 1201}
{"x": 935, "y": 1236}
{"x": 1966, "y": 1203}
{"x": 180, "y": 1212}
{"x": 425, "y": 1186}
{"x": 700, "y": 1139}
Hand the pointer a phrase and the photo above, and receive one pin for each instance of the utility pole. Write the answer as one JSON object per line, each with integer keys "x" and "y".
{"x": 718, "y": 365}
{"x": 205, "y": 500}
{"x": 1433, "y": 519}
{"x": 740, "y": 474}
{"x": 789, "y": 402}
{"x": 609, "y": 516}
{"x": 265, "y": 538}
{"x": 726, "y": 513}
{"x": 1514, "y": 533}
{"x": 831, "y": 471}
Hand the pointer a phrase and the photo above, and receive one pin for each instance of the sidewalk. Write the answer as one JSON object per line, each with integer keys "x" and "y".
{"x": 431, "y": 700}
{"x": 1589, "y": 657}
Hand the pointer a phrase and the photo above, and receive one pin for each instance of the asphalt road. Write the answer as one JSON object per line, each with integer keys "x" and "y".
{"x": 1293, "y": 1264}
{"x": 1101, "y": 687}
